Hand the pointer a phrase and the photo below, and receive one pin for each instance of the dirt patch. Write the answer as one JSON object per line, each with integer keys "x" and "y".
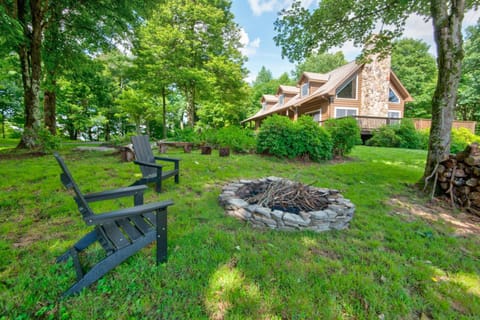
{"x": 436, "y": 210}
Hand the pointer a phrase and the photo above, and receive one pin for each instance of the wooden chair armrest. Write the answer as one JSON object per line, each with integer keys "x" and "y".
{"x": 147, "y": 164}
{"x": 167, "y": 159}
{"x": 115, "y": 193}
{"x": 125, "y": 213}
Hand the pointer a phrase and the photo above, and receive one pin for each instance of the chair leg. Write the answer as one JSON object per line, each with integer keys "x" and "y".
{"x": 161, "y": 222}
{"x": 158, "y": 185}
{"x": 81, "y": 245}
{"x": 107, "y": 264}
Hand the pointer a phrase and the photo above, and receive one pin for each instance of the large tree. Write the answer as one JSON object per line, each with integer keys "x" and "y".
{"x": 300, "y": 31}
{"x": 417, "y": 70}
{"x": 192, "y": 47}
{"x": 320, "y": 63}
{"x": 49, "y": 32}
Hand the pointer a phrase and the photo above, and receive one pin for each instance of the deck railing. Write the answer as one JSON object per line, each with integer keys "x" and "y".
{"x": 367, "y": 123}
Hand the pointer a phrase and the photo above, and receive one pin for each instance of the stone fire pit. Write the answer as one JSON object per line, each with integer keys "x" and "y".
{"x": 328, "y": 209}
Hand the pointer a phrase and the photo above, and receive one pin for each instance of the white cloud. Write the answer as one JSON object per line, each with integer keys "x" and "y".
{"x": 249, "y": 48}
{"x": 259, "y": 7}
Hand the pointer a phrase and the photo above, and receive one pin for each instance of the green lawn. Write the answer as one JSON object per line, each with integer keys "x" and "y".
{"x": 390, "y": 264}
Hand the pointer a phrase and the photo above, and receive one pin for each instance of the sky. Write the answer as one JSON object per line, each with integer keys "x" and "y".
{"x": 256, "y": 18}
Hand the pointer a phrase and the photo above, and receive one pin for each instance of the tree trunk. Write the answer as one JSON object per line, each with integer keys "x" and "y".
{"x": 3, "y": 125}
{"x": 31, "y": 65}
{"x": 49, "y": 109}
{"x": 164, "y": 112}
{"x": 447, "y": 23}
{"x": 190, "y": 92}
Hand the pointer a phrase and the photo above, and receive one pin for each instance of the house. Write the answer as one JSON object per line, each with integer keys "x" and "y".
{"x": 369, "y": 91}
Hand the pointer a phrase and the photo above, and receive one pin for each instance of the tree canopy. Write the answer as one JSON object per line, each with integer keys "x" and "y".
{"x": 417, "y": 70}
{"x": 375, "y": 24}
{"x": 319, "y": 63}
{"x": 469, "y": 91}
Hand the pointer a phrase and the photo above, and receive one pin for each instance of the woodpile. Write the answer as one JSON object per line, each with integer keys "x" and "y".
{"x": 459, "y": 178}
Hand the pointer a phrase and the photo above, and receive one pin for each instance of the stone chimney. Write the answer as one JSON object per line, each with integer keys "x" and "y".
{"x": 375, "y": 85}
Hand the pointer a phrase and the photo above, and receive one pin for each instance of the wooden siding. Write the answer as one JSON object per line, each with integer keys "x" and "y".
{"x": 314, "y": 86}
{"x": 347, "y": 103}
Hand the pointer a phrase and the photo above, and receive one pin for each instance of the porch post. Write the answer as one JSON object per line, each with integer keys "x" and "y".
{"x": 295, "y": 114}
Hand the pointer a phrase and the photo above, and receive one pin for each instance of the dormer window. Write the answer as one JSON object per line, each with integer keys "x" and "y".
{"x": 348, "y": 90}
{"x": 305, "y": 88}
{"x": 281, "y": 99}
{"x": 392, "y": 96}
{"x": 264, "y": 106}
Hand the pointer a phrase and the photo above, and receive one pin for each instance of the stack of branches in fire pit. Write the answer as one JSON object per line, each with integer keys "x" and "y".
{"x": 459, "y": 178}
{"x": 291, "y": 196}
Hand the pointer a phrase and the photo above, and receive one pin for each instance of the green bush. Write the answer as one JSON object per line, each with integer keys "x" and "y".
{"x": 47, "y": 142}
{"x": 281, "y": 137}
{"x": 345, "y": 135}
{"x": 384, "y": 136}
{"x": 424, "y": 136}
{"x": 403, "y": 135}
{"x": 185, "y": 135}
{"x": 311, "y": 140}
{"x": 237, "y": 139}
{"x": 275, "y": 136}
{"x": 461, "y": 138}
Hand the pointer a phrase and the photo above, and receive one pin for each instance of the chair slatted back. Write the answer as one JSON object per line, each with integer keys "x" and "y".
{"x": 69, "y": 183}
{"x": 143, "y": 152}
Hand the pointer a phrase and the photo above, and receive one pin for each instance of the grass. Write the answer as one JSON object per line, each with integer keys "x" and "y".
{"x": 389, "y": 264}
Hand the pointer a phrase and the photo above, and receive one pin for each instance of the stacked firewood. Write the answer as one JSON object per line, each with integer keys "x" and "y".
{"x": 459, "y": 178}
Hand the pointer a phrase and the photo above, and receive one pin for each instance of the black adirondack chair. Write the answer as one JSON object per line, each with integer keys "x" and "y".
{"x": 121, "y": 232}
{"x": 152, "y": 171}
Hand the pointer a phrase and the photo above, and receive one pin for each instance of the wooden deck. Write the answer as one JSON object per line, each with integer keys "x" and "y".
{"x": 367, "y": 124}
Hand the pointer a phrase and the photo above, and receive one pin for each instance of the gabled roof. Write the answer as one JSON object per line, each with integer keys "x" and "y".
{"x": 334, "y": 79}
{"x": 270, "y": 98}
{"x": 287, "y": 89}
{"x": 312, "y": 76}
{"x": 403, "y": 91}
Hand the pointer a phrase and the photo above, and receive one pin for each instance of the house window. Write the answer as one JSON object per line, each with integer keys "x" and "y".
{"x": 393, "y": 114}
{"x": 305, "y": 88}
{"x": 348, "y": 90}
{"x": 345, "y": 112}
{"x": 264, "y": 106}
{"x": 316, "y": 115}
{"x": 281, "y": 100}
{"x": 392, "y": 96}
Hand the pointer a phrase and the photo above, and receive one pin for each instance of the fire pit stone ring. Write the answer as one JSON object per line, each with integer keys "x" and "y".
{"x": 282, "y": 204}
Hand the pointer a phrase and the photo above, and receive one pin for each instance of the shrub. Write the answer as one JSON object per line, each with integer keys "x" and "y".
{"x": 409, "y": 136}
{"x": 384, "y": 136}
{"x": 345, "y": 135}
{"x": 282, "y": 137}
{"x": 424, "y": 136}
{"x": 461, "y": 138}
{"x": 403, "y": 135}
{"x": 311, "y": 140}
{"x": 185, "y": 135}
{"x": 275, "y": 136}
{"x": 237, "y": 139}
{"x": 48, "y": 142}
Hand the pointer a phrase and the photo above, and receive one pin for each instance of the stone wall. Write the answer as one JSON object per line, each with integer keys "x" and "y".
{"x": 336, "y": 215}
{"x": 375, "y": 87}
